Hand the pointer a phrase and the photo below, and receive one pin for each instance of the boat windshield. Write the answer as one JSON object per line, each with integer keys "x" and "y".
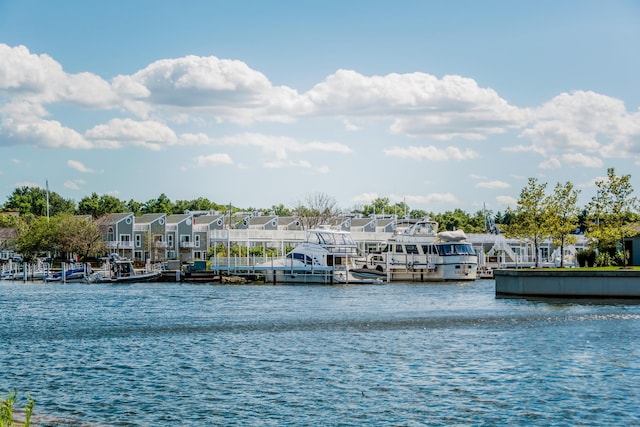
{"x": 446, "y": 249}
{"x": 332, "y": 239}
{"x": 306, "y": 259}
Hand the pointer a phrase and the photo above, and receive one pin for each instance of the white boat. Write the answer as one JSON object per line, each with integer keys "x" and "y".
{"x": 421, "y": 254}
{"x": 326, "y": 257}
{"x": 117, "y": 269}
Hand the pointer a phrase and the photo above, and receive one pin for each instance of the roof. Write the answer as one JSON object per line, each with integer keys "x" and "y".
{"x": 149, "y": 218}
{"x": 8, "y": 233}
{"x": 113, "y": 218}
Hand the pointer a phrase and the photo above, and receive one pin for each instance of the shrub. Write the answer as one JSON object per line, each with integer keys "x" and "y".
{"x": 6, "y": 410}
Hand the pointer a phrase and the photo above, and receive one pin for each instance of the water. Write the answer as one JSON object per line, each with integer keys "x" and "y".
{"x": 385, "y": 355}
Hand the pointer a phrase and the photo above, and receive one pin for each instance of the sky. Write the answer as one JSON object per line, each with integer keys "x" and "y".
{"x": 442, "y": 105}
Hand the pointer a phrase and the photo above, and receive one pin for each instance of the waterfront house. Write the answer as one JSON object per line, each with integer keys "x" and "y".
{"x": 179, "y": 233}
{"x": 149, "y": 241}
{"x": 289, "y": 223}
{"x": 363, "y": 225}
{"x": 8, "y": 236}
{"x": 117, "y": 233}
{"x": 204, "y": 226}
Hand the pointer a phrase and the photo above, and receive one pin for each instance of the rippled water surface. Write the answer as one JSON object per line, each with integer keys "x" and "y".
{"x": 172, "y": 354}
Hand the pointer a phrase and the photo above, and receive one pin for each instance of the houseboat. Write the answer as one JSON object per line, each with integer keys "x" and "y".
{"x": 422, "y": 254}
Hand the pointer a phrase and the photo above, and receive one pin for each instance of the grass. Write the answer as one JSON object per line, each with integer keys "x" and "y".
{"x": 6, "y": 410}
{"x": 610, "y": 268}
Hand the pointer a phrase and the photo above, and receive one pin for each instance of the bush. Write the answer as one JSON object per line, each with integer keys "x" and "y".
{"x": 586, "y": 258}
{"x": 6, "y": 410}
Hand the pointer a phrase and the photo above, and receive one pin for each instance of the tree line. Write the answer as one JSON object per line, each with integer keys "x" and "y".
{"x": 48, "y": 221}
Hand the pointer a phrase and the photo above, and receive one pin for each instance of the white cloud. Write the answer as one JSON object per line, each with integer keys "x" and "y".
{"x": 73, "y": 185}
{"x": 420, "y": 104}
{"x": 365, "y": 198}
{"x": 213, "y": 159}
{"x": 41, "y": 79}
{"x": 432, "y": 198}
{"x": 506, "y": 201}
{"x": 279, "y": 147}
{"x": 525, "y": 149}
{"x": 581, "y": 160}
{"x": 42, "y": 133}
{"x": 493, "y": 184}
{"x": 222, "y": 88}
{"x": 118, "y": 133}
{"x": 551, "y": 163}
{"x": 431, "y": 153}
{"x": 79, "y": 166}
{"x": 587, "y": 123}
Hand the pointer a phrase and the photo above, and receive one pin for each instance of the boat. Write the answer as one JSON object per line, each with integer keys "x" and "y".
{"x": 75, "y": 274}
{"x": 117, "y": 269}
{"x": 422, "y": 254}
{"x": 327, "y": 256}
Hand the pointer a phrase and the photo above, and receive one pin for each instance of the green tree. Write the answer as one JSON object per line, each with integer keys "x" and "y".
{"x": 562, "y": 215}
{"x": 160, "y": 205}
{"x": 612, "y": 211}
{"x": 39, "y": 236}
{"x": 529, "y": 216}
{"x": 134, "y": 207}
{"x": 33, "y": 200}
{"x": 78, "y": 235}
{"x": 98, "y": 206}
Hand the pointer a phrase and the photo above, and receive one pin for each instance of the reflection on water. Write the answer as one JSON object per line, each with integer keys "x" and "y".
{"x": 171, "y": 354}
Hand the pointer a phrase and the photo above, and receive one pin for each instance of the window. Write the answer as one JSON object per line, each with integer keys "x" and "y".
{"x": 170, "y": 240}
{"x": 138, "y": 240}
{"x": 411, "y": 249}
{"x": 197, "y": 240}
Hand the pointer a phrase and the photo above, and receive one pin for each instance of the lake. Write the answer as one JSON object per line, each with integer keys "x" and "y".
{"x": 164, "y": 354}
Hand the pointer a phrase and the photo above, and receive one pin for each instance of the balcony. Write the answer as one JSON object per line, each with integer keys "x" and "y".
{"x": 162, "y": 245}
{"x": 119, "y": 244}
{"x": 187, "y": 245}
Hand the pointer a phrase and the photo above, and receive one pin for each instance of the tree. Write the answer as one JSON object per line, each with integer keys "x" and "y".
{"x": 529, "y": 216}
{"x": 33, "y": 200}
{"x": 39, "y": 236}
{"x": 611, "y": 212}
{"x": 562, "y": 215}
{"x": 98, "y": 206}
{"x": 77, "y": 235}
{"x": 160, "y": 205}
{"x": 317, "y": 209}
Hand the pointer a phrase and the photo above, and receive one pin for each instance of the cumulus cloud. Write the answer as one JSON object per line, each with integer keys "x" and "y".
{"x": 419, "y": 104}
{"x": 79, "y": 166}
{"x": 227, "y": 89}
{"x": 40, "y": 78}
{"x": 581, "y": 160}
{"x": 587, "y": 123}
{"x": 431, "y": 153}
{"x": 118, "y": 133}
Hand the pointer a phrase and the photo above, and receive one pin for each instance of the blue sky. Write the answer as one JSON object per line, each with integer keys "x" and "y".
{"x": 443, "y": 105}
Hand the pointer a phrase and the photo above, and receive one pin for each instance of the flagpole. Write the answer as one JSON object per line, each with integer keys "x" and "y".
{"x": 47, "y": 184}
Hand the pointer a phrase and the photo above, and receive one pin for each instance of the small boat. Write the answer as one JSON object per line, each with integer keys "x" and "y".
{"x": 421, "y": 254}
{"x": 117, "y": 269}
{"x": 74, "y": 275}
